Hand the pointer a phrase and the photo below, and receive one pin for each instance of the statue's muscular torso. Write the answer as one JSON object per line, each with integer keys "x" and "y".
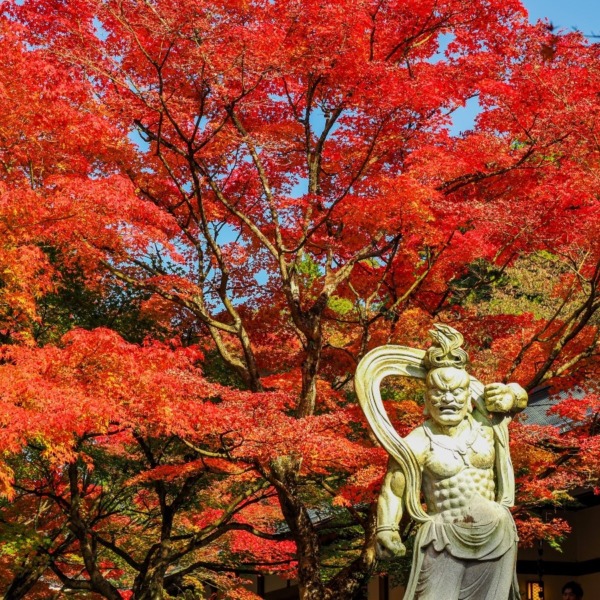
{"x": 455, "y": 469}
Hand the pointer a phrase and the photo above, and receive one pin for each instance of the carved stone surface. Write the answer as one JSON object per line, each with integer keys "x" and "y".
{"x": 457, "y": 463}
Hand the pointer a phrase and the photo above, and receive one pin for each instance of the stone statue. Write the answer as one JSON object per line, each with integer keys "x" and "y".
{"x": 457, "y": 462}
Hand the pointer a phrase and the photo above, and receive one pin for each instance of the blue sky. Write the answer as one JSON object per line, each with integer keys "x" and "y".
{"x": 567, "y": 14}
{"x": 583, "y": 15}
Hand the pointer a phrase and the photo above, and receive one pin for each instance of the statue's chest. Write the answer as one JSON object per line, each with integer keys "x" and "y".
{"x": 446, "y": 457}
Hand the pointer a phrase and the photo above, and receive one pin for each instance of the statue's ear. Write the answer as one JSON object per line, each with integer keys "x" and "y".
{"x": 425, "y": 410}
{"x": 471, "y": 406}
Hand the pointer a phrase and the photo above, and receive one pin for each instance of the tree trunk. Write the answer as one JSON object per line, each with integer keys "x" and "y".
{"x": 310, "y": 368}
{"x": 351, "y": 583}
{"x": 283, "y": 474}
{"x": 27, "y": 576}
{"x": 148, "y": 584}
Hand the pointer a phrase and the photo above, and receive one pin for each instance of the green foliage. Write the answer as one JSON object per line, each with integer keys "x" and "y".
{"x": 76, "y": 304}
{"x": 341, "y": 539}
{"x": 215, "y": 369}
{"x": 402, "y": 388}
{"x": 478, "y": 283}
{"x": 340, "y": 306}
{"x": 525, "y": 286}
{"x": 17, "y": 539}
{"x": 309, "y": 268}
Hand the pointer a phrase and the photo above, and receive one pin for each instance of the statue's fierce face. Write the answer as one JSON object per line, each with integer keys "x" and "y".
{"x": 448, "y": 398}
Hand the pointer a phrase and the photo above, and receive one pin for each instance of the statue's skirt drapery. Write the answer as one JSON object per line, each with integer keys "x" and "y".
{"x": 469, "y": 558}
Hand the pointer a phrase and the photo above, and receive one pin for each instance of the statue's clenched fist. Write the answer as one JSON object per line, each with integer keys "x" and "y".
{"x": 389, "y": 544}
{"x": 499, "y": 397}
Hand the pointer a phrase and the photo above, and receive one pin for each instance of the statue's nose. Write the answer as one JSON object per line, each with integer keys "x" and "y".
{"x": 448, "y": 398}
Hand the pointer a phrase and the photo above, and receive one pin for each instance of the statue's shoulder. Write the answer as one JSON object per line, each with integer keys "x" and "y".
{"x": 418, "y": 442}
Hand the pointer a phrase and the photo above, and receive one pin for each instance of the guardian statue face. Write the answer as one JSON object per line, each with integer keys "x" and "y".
{"x": 448, "y": 398}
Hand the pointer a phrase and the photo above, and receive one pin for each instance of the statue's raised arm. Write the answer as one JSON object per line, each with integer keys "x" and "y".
{"x": 457, "y": 462}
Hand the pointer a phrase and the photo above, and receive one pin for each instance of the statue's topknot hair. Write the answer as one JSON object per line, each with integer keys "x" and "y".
{"x": 446, "y": 350}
